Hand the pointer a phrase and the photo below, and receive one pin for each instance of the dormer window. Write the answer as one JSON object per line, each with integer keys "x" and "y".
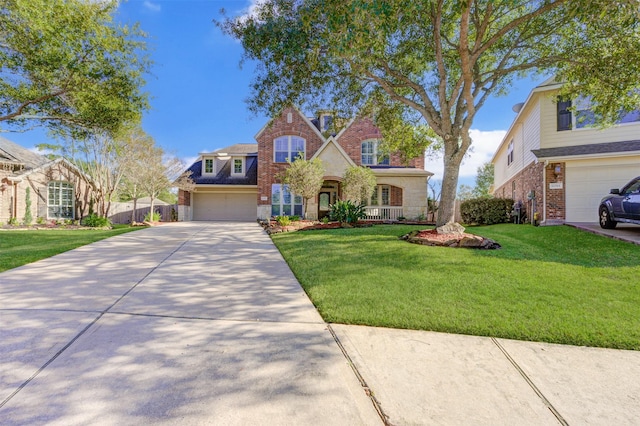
{"x": 372, "y": 155}
{"x": 209, "y": 166}
{"x": 288, "y": 148}
{"x": 237, "y": 167}
{"x": 325, "y": 122}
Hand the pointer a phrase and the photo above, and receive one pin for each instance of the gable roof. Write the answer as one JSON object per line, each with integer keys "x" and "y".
{"x": 587, "y": 150}
{"x": 14, "y": 153}
{"x": 332, "y": 141}
{"x": 304, "y": 117}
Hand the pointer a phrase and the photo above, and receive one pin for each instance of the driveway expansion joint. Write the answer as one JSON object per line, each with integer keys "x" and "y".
{"x": 376, "y": 404}
{"x": 533, "y": 386}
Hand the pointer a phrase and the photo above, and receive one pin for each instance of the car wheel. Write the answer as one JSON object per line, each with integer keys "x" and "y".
{"x": 605, "y": 219}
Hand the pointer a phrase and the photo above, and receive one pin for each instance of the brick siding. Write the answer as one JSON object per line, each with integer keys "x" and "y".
{"x": 527, "y": 180}
{"x": 556, "y": 199}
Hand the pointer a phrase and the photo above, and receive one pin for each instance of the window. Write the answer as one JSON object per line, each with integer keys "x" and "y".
{"x": 381, "y": 196}
{"x": 564, "y": 115}
{"x": 238, "y": 166}
{"x": 60, "y": 200}
{"x": 583, "y": 116}
{"x": 288, "y": 148}
{"x": 208, "y": 165}
{"x": 372, "y": 155}
{"x": 510, "y": 153}
{"x": 283, "y": 203}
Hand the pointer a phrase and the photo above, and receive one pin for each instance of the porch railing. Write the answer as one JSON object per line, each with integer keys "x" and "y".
{"x": 383, "y": 213}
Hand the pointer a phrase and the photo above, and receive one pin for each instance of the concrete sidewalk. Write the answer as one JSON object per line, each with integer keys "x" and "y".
{"x": 421, "y": 377}
{"x": 190, "y": 323}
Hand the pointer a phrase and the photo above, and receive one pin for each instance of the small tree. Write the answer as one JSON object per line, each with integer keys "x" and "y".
{"x": 358, "y": 184}
{"x": 28, "y": 218}
{"x": 484, "y": 180}
{"x": 305, "y": 178}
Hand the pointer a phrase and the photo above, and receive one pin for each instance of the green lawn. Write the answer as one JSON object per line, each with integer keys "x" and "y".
{"x": 553, "y": 284}
{"x": 21, "y": 247}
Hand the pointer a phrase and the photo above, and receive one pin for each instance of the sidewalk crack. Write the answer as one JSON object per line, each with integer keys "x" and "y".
{"x": 532, "y": 385}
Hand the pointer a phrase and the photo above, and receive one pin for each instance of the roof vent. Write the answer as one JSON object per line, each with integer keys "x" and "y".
{"x": 517, "y": 107}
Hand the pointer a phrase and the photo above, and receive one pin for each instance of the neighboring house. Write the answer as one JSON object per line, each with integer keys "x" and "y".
{"x": 557, "y": 163}
{"x": 58, "y": 189}
{"x": 243, "y": 182}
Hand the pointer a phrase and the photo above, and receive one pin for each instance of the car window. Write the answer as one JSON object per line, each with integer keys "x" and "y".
{"x": 632, "y": 187}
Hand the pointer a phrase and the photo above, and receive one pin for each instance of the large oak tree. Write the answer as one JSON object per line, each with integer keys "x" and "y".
{"x": 437, "y": 60}
{"x": 67, "y": 65}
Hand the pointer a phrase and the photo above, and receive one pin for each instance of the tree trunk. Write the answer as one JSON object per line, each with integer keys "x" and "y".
{"x": 446, "y": 209}
{"x": 133, "y": 212}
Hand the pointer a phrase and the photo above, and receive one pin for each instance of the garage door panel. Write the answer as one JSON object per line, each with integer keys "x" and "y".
{"x": 225, "y": 206}
{"x": 586, "y": 185}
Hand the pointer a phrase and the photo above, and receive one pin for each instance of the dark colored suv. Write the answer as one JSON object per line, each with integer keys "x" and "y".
{"x": 621, "y": 205}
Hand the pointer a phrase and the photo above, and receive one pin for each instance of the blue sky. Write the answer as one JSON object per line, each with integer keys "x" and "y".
{"x": 198, "y": 89}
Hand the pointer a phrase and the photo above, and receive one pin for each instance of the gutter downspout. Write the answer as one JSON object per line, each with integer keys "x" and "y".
{"x": 544, "y": 192}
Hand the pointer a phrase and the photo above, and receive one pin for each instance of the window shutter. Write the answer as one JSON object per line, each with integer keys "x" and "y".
{"x": 564, "y": 115}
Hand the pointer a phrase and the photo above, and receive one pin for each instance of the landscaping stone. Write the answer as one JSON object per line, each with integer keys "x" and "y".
{"x": 451, "y": 228}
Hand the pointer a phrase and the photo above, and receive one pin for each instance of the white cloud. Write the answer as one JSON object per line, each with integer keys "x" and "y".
{"x": 153, "y": 7}
{"x": 483, "y": 147}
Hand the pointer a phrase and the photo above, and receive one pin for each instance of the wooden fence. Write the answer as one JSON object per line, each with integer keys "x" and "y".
{"x": 121, "y": 212}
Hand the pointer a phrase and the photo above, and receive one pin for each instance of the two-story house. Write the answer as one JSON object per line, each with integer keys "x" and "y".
{"x": 557, "y": 163}
{"x": 243, "y": 181}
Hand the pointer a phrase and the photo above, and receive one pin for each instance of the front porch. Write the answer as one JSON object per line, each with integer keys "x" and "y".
{"x": 383, "y": 213}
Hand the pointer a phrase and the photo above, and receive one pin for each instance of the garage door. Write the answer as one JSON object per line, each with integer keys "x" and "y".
{"x": 588, "y": 183}
{"x": 238, "y": 207}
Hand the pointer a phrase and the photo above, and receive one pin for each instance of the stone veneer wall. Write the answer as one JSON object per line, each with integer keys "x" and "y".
{"x": 529, "y": 179}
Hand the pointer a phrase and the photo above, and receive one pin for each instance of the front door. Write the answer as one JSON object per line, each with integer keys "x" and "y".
{"x": 324, "y": 200}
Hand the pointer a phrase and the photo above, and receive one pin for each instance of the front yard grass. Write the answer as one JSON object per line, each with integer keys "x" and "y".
{"x": 18, "y": 248}
{"x": 552, "y": 284}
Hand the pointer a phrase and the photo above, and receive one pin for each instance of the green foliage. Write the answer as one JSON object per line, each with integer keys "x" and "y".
{"x": 174, "y": 215}
{"x": 484, "y": 180}
{"x": 358, "y": 184}
{"x": 28, "y": 217}
{"x": 41, "y": 220}
{"x": 347, "y": 211}
{"x": 13, "y": 221}
{"x": 435, "y": 64}
{"x": 152, "y": 217}
{"x": 283, "y": 220}
{"x": 294, "y": 218}
{"x": 67, "y": 65}
{"x": 486, "y": 211}
{"x": 95, "y": 221}
{"x": 325, "y": 220}
{"x": 304, "y": 177}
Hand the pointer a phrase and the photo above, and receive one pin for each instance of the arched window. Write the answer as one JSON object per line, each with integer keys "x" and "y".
{"x": 288, "y": 147}
{"x": 372, "y": 155}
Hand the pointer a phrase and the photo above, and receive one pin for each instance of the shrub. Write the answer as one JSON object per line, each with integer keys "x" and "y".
{"x": 13, "y": 221}
{"x": 347, "y": 211}
{"x": 95, "y": 221}
{"x": 486, "y": 211}
{"x": 283, "y": 220}
{"x": 41, "y": 220}
{"x": 294, "y": 218}
{"x": 155, "y": 217}
{"x": 28, "y": 218}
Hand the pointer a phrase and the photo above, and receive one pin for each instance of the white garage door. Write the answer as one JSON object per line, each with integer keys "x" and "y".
{"x": 238, "y": 207}
{"x": 587, "y": 184}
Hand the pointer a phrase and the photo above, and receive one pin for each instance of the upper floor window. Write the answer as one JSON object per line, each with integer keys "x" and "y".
{"x": 208, "y": 165}
{"x": 510, "y": 153}
{"x": 238, "y": 166}
{"x": 288, "y": 148}
{"x": 372, "y": 155}
{"x": 584, "y": 117}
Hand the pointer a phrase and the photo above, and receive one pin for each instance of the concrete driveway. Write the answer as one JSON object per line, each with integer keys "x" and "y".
{"x": 624, "y": 231}
{"x": 188, "y": 323}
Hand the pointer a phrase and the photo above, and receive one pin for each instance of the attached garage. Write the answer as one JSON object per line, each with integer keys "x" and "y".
{"x": 232, "y": 206}
{"x": 587, "y": 181}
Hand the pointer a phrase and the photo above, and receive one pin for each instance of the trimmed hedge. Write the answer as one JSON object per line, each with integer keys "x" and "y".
{"x": 486, "y": 211}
